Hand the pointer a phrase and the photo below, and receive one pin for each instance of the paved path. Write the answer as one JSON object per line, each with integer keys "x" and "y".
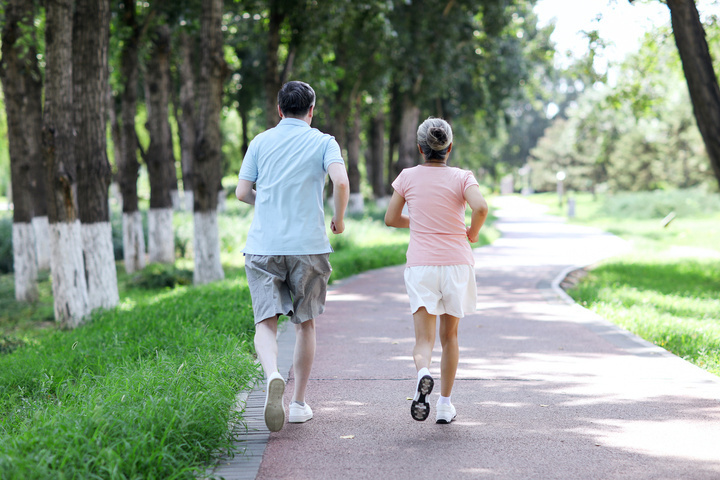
{"x": 545, "y": 389}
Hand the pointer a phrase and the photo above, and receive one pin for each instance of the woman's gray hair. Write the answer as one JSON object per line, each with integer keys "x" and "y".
{"x": 434, "y": 136}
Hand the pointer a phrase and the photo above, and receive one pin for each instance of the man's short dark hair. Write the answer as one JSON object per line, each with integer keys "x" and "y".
{"x": 295, "y": 98}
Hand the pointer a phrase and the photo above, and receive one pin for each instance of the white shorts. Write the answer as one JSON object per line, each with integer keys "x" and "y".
{"x": 442, "y": 289}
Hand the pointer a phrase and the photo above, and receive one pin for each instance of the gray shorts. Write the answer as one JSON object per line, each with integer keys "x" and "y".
{"x": 291, "y": 285}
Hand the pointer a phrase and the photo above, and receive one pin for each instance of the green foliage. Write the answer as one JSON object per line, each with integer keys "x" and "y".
{"x": 143, "y": 391}
{"x": 4, "y": 151}
{"x": 158, "y": 275}
{"x": 637, "y": 134}
{"x": 658, "y": 204}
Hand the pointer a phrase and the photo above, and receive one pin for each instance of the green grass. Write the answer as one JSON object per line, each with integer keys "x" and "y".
{"x": 145, "y": 390}
{"x": 674, "y": 303}
{"x": 667, "y": 289}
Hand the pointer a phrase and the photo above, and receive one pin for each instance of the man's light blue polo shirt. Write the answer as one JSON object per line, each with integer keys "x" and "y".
{"x": 288, "y": 164}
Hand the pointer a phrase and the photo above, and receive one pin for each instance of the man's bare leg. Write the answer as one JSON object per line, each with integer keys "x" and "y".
{"x": 303, "y": 357}
{"x": 266, "y": 344}
{"x": 267, "y": 350}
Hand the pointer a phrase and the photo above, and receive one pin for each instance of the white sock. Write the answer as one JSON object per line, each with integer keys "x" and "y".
{"x": 443, "y": 400}
{"x": 422, "y": 372}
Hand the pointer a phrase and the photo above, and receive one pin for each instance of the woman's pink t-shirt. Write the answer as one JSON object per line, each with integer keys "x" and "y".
{"x": 435, "y": 198}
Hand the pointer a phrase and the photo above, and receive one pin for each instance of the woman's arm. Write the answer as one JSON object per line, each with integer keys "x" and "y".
{"x": 479, "y": 212}
{"x": 394, "y": 216}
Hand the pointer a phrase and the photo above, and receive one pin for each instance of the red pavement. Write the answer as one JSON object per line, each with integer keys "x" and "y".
{"x": 545, "y": 389}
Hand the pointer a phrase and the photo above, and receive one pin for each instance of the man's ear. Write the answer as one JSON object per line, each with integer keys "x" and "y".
{"x": 280, "y": 112}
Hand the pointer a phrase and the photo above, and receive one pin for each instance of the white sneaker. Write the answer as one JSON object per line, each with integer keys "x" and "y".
{"x": 300, "y": 413}
{"x": 274, "y": 407}
{"x": 445, "y": 413}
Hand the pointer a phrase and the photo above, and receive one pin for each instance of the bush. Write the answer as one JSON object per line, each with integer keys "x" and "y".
{"x": 659, "y": 203}
{"x": 158, "y": 275}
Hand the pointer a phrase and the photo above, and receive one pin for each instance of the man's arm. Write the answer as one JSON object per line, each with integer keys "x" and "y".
{"x": 394, "y": 216}
{"x": 341, "y": 195}
{"x": 244, "y": 192}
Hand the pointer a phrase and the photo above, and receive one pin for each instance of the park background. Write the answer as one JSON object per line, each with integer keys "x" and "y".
{"x": 160, "y": 122}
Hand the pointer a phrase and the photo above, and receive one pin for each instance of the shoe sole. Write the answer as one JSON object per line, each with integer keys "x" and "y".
{"x": 420, "y": 408}
{"x": 274, "y": 409}
{"x": 299, "y": 419}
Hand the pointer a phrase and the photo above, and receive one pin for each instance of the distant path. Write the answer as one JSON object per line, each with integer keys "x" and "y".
{"x": 545, "y": 389}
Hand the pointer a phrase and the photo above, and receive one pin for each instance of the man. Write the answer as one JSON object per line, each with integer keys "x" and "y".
{"x": 287, "y": 249}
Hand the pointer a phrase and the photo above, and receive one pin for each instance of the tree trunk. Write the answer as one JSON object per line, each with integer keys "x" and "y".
{"x": 13, "y": 74}
{"x": 32, "y": 121}
{"x": 407, "y": 148}
{"x": 133, "y": 238}
{"x": 702, "y": 82}
{"x": 208, "y": 160}
{"x": 272, "y": 74}
{"x": 186, "y": 123}
{"x": 91, "y": 30}
{"x": 394, "y": 136}
{"x": 66, "y": 259}
{"x": 356, "y": 204}
{"x": 160, "y": 164}
{"x": 375, "y": 160}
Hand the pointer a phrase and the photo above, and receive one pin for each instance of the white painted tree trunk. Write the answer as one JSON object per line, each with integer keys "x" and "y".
{"x": 133, "y": 242}
{"x": 176, "y": 200}
{"x": 42, "y": 242}
{"x": 68, "y": 273}
{"x": 100, "y": 265}
{"x": 356, "y": 203}
{"x": 161, "y": 237}
{"x": 24, "y": 262}
{"x": 189, "y": 200}
{"x": 222, "y": 203}
{"x": 206, "y": 243}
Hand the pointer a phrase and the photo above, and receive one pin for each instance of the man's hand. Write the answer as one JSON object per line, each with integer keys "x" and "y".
{"x": 337, "y": 226}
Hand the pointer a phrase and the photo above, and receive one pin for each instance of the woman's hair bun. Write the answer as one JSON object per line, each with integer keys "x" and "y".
{"x": 434, "y": 135}
{"x": 437, "y": 138}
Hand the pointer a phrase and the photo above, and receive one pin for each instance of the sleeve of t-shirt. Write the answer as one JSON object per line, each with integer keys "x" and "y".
{"x": 333, "y": 154}
{"x": 399, "y": 185}
{"x": 468, "y": 181}
{"x": 248, "y": 169}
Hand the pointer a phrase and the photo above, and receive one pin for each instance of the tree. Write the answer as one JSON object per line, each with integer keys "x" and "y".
{"x": 66, "y": 258}
{"x": 207, "y": 171}
{"x": 159, "y": 157}
{"x": 91, "y": 30}
{"x": 477, "y": 62}
{"x": 128, "y": 165}
{"x": 16, "y": 74}
{"x": 186, "y": 120}
{"x": 699, "y": 74}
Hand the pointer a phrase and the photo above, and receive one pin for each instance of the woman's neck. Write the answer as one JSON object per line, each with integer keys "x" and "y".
{"x": 435, "y": 163}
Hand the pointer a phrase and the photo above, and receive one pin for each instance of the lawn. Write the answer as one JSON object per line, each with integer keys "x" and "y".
{"x": 667, "y": 288}
{"x": 146, "y": 390}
